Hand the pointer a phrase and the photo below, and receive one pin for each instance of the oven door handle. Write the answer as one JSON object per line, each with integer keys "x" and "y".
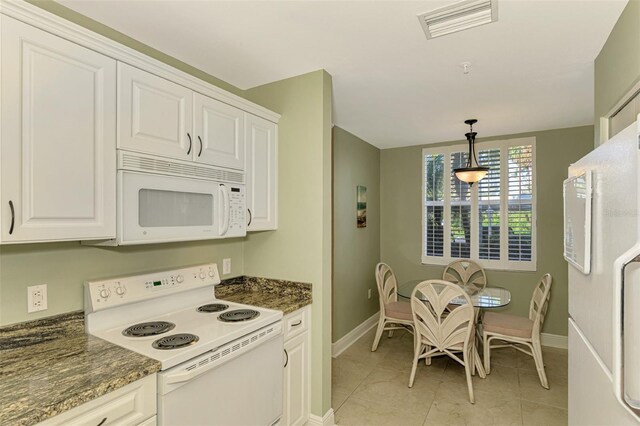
{"x": 183, "y": 376}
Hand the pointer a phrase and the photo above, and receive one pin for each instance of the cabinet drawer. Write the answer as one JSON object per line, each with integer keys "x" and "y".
{"x": 129, "y": 405}
{"x": 296, "y": 323}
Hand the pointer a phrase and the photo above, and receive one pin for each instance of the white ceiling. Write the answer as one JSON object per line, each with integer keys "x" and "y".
{"x": 532, "y": 70}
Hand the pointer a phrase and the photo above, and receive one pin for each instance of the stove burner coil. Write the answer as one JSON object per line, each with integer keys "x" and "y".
{"x": 152, "y": 328}
{"x": 213, "y": 307}
{"x": 238, "y": 315}
{"x": 175, "y": 341}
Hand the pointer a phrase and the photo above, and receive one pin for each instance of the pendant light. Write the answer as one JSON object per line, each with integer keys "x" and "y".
{"x": 471, "y": 173}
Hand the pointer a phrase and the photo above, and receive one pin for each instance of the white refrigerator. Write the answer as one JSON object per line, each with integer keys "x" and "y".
{"x": 604, "y": 299}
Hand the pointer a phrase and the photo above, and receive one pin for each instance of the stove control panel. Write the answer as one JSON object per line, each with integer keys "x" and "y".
{"x": 108, "y": 293}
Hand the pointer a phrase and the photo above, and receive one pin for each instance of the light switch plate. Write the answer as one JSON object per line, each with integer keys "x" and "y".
{"x": 37, "y": 298}
{"x": 226, "y": 266}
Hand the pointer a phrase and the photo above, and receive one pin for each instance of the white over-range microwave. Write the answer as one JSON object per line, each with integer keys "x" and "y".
{"x": 163, "y": 200}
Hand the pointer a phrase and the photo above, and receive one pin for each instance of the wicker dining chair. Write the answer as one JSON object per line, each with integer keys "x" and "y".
{"x": 394, "y": 315}
{"x": 466, "y": 273}
{"x": 520, "y": 332}
{"x": 437, "y": 334}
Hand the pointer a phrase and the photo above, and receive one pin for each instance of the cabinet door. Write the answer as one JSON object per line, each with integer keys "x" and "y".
{"x": 296, "y": 381}
{"x": 155, "y": 115}
{"x": 262, "y": 173}
{"x": 131, "y": 405}
{"x": 58, "y": 155}
{"x": 219, "y": 130}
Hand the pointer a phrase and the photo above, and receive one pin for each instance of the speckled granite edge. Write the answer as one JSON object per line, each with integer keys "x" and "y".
{"x": 283, "y": 295}
{"x": 49, "y": 366}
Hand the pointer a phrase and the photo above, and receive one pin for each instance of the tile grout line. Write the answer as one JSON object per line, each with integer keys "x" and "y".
{"x": 435, "y": 395}
{"x": 353, "y": 391}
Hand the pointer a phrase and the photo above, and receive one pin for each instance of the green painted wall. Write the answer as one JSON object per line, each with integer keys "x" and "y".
{"x": 65, "y": 266}
{"x": 108, "y": 32}
{"x": 400, "y": 177}
{"x": 617, "y": 67}
{"x": 301, "y": 247}
{"x": 356, "y": 251}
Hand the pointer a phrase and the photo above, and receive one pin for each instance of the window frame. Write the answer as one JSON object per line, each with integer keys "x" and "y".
{"x": 504, "y": 263}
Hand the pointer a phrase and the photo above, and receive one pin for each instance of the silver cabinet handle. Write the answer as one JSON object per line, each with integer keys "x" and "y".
{"x": 200, "y": 152}
{"x": 189, "y": 150}
{"x": 13, "y": 217}
{"x": 296, "y": 324}
{"x": 250, "y": 217}
{"x": 287, "y": 361}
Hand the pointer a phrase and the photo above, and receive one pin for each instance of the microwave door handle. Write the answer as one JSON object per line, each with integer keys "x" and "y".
{"x": 225, "y": 209}
{"x": 630, "y": 326}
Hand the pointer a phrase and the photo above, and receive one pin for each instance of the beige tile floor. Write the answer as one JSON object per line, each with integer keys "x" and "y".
{"x": 370, "y": 388}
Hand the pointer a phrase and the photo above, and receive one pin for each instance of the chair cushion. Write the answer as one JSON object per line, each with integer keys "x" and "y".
{"x": 399, "y": 310}
{"x": 509, "y": 325}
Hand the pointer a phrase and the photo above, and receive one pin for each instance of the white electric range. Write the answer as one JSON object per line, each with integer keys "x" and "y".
{"x": 217, "y": 357}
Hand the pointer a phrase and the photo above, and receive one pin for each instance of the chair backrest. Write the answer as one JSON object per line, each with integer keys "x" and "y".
{"x": 540, "y": 302}
{"x": 465, "y": 273}
{"x": 429, "y": 300}
{"x": 387, "y": 285}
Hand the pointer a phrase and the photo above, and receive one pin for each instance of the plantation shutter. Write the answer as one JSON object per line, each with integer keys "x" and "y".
{"x": 434, "y": 205}
{"x": 520, "y": 202}
{"x": 460, "y": 202}
{"x": 489, "y": 206}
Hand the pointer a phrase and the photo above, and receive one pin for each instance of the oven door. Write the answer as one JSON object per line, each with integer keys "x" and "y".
{"x": 246, "y": 389}
{"x": 158, "y": 208}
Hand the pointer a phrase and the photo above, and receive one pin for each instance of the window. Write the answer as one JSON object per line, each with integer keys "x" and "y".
{"x": 492, "y": 221}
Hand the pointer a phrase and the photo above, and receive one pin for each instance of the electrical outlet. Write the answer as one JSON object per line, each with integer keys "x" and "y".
{"x": 226, "y": 266}
{"x": 37, "y": 298}
{"x": 369, "y": 294}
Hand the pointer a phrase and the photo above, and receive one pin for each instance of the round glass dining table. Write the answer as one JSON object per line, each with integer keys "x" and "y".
{"x": 489, "y": 297}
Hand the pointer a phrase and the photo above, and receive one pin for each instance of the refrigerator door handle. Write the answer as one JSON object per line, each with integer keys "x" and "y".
{"x": 629, "y": 339}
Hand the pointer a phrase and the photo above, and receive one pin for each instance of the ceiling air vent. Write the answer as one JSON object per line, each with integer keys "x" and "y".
{"x": 458, "y": 17}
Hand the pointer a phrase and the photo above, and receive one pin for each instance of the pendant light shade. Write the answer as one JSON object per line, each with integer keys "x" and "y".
{"x": 470, "y": 173}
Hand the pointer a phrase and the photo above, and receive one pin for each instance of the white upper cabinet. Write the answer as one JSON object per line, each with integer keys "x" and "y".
{"x": 155, "y": 115}
{"x": 261, "y": 173}
{"x": 58, "y": 136}
{"x": 219, "y": 130}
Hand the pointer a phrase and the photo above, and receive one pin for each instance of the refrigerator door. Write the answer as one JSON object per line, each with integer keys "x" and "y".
{"x": 591, "y": 401}
{"x": 604, "y": 384}
{"x": 593, "y": 297}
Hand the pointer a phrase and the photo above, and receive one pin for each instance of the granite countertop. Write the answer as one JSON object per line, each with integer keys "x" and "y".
{"x": 51, "y": 365}
{"x": 282, "y": 295}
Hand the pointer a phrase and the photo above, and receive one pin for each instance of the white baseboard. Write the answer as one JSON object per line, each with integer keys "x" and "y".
{"x": 326, "y": 420}
{"x": 351, "y": 337}
{"x": 554, "y": 340}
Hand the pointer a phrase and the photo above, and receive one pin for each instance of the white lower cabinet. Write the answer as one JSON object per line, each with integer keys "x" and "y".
{"x": 133, "y": 404}
{"x": 153, "y": 421}
{"x": 297, "y": 381}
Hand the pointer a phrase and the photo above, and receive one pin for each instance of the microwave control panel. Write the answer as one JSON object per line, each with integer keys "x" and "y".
{"x": 237, "y": 211}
